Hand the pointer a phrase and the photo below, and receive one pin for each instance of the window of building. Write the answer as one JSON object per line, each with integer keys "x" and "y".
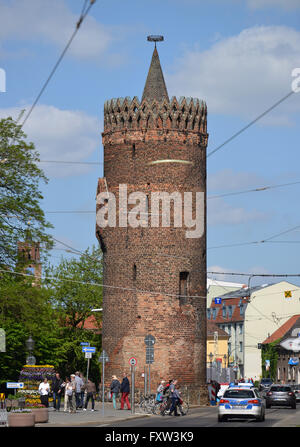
{"x": 184, "y": 283}
{"x": 214, "y": 313}
{"x": 229, "y": 330}
{"x": 224, "y": 311}
{"x": 241, "y": 346}
{"x": 134, "y": 272}
{"x": 229, "y": 311}
{"x": 229, "y": 349}
{"x": 208, "y": 314}
{"x": 240, "y": 329}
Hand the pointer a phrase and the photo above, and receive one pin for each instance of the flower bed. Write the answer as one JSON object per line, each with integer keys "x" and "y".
{"x": 32, "y": 376}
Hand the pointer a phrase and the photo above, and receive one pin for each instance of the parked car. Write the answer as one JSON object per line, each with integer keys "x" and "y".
{"x": 296, "y": 389}
{"x": 281, "y": 395}
{"x": 239, "y": 402}
{"x": 265, "y": 383}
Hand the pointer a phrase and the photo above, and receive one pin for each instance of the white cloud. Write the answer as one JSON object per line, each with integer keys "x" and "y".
{"x": 227, "y": 179}
{"x": 284, "y": 4}
{"x": 221, "y": 213}
{"x": 50, "y": 21}
{"x": 242, "y": 75}
{"x": 65, "y": 135}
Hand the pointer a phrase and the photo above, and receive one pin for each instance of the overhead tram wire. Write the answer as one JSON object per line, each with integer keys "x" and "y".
{"x": 258, "y": 189}
{"x": 250, "y": 124}
{"x": 83, "y": 15}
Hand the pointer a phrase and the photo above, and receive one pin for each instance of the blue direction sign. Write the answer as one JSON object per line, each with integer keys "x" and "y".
{"x": 84, "y": 343}
{"x": 218, "y": 300}
{"x": 88, "y": 349}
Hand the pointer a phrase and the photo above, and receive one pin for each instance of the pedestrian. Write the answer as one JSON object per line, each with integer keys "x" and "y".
{"x": 159, "y": 391}
{"x": 70, "y": 391}
{"x": 125, "y": 389}
{"x": 90, "y": 388}
{"x": 180, "y": 402}
{"x": 82, "y": 389}
{"x": 57, "y": 391}
{"x": 174, "y": 397}
{"x": 166, "y": 394}
{"x": 115, "y": 387}
{"x": 44, "y": 390}
{"x": 65, "y": 384}
{"x": 79, "y": 384}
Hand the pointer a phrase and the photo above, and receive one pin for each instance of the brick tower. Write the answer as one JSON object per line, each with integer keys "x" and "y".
{"x": 154, "y": 275}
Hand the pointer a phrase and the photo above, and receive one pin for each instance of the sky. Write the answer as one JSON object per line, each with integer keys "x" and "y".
{"x": 237, "y": 55}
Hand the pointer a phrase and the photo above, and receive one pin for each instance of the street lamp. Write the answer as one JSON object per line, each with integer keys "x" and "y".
{"x": 225, "y": 358}
{"x": 30, "y": 359}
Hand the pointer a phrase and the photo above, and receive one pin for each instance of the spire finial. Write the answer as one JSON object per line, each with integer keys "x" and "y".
{"x": 155, "y": 87}
{"x": 155, "y": 38}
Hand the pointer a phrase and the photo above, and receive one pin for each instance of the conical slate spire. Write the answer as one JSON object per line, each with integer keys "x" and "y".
{"x": 155, "y": 87}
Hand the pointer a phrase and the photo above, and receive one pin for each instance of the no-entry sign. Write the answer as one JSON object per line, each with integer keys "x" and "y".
{"x": 132, "y": 361}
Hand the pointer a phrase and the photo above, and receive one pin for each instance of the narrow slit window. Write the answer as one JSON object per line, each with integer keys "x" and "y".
{"x": 133, "y": 150}
{"x": 184, "y": 284}
{"x": 134, "y": 272}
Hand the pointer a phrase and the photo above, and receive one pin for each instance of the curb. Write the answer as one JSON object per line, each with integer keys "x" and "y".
{"x": 97, "y": 423}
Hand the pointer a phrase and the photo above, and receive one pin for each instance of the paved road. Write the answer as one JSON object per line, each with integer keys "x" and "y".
{"x": 207, "y": 417}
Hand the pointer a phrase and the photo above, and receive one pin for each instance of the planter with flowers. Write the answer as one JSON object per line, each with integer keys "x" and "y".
{"x": 21, "y": 418}
{"x": 40, "y": 412}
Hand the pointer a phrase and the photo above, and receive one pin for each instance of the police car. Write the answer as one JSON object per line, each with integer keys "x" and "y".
{"x": 241, "y": 402}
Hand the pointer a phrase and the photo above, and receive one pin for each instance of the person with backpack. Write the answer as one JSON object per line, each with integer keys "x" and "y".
{"x": 115, "y": 387}
{"x": 159, "y": 391}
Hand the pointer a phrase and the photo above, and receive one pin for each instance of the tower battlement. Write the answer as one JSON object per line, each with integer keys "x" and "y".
{"x": 128, "y": 113}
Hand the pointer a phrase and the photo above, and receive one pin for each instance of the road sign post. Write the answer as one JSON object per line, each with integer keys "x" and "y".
{"x": 103, "y": 358}
{"x": 132, "y": 400}
{"x": 149, "y": 342}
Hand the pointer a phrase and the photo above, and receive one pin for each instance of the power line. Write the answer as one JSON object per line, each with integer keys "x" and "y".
{"x": 55, "y": 278}
{"x": 250, "y": 124}
{"x": 78, "y": 24}
{"x": 71, "y": 162}
{"x": 259, "y": 189}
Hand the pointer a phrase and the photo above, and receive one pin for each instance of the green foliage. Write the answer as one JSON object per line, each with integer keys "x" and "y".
{"x": 54, "y": 315}
{"x": 270, "y": 352}
{"x": 19, "y": 193}
{"x": 81, "y": 289}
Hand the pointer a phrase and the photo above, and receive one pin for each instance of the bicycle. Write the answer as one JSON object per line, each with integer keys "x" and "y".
{"x": 147, "y": 404}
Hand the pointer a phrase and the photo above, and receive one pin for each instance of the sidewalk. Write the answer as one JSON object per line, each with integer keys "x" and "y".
{"x": 89, "y": 418}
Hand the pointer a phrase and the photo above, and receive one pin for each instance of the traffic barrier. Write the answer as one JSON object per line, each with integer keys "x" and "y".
{"x": 212, "y": 393}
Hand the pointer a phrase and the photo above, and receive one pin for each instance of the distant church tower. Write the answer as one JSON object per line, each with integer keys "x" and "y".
{"x": 154, "y": 277}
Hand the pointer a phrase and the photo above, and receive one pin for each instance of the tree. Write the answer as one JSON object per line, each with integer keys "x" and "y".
{"x": 21, "y": 217}
{"x": 76, "y": 287}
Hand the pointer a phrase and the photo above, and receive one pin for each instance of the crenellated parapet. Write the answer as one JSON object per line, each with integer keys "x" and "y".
{"x": 186, "y": 114}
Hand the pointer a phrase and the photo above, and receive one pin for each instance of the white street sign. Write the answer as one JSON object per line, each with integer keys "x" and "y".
{"x": 88, "y": 355}
{"x": 14, "y": 385}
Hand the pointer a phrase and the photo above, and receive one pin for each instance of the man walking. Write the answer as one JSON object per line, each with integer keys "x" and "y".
{"x": 91, "y": 392}
{"x": 57, "y": 390}
{"x": 78, "y": 388}
{"x": 174, "y": 394}
{"x": 125, "y": 389}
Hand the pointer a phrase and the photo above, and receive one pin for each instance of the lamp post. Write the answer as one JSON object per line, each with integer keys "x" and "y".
{"x": 225, "y": 358}
{"x": 30, "y": 359}
{"x": 210, "y": 359}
